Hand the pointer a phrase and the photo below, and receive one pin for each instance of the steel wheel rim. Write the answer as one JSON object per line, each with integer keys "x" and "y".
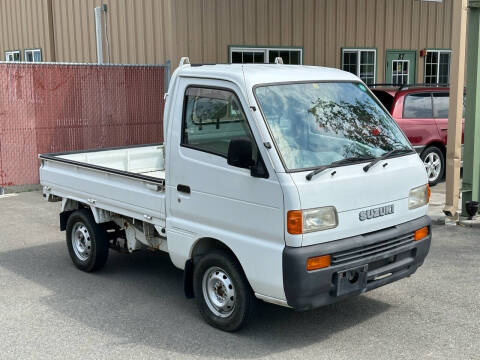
{"x": 218, "y": 292}
{"x": 81, "y": 241}
{"x": 433, "y": 166}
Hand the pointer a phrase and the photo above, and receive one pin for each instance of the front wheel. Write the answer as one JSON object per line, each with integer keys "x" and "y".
{"x": 222, "y": 292}
{"x": 87, "y": 241}
{"x": 434, "y": 163}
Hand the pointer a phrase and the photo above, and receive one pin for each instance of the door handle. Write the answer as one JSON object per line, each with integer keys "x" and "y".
{"x": 183, "y": 188}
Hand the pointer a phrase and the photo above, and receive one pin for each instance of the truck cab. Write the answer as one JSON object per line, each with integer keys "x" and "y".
{"x": 289, "y": 184}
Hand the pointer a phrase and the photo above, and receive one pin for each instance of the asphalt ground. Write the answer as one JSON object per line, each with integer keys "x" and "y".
{"x": 135, "y": 308}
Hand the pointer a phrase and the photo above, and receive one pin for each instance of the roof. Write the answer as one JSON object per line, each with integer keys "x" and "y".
{"x": 393, "y": 90}
{"x": 256, "y": 74}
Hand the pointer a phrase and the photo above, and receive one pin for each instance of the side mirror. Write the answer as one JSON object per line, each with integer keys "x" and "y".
{"x": 240, "y": 153}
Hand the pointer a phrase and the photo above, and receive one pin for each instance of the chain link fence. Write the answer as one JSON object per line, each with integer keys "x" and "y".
{"x": 53, "y": 107}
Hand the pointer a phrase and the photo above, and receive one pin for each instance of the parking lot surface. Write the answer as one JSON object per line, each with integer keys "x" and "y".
{"x": 135, "y": 308}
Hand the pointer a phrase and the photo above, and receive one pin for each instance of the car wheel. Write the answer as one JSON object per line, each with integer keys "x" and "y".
{"x": 87, "y": 241}
{"x": 223, "y": 294}
{"x": 434, "y": 163}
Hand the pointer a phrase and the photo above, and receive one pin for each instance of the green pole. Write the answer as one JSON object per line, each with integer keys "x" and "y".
{"x": 471, "y": 159}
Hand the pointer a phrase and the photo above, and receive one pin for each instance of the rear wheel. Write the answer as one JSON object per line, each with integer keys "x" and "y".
{"x": 222, "y": 292}
{"x": 87, "y": 241}
{"x": 434, "y": 163}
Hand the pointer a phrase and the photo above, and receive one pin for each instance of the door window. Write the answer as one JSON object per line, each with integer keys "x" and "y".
{"x": 212, "y": 117}
{"x": 400, "y": 70}
{"x": 418, "y": 106}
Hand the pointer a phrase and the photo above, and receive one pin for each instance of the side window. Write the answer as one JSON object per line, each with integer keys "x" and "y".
{"x": 440, "y": 105}
{"x": 211, "y": 118}
{"x": 418, "y": 106}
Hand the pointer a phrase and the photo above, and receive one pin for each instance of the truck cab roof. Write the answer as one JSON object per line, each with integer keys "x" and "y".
{"x": 255, "y": 74}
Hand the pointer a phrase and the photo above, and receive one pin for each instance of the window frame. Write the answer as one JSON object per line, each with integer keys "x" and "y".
{"x": 439, "y": 52}
{"x": 413, "y": 93}
{"x": 359, "y": 56}
{"x": 265, "y": 50}
{"x": 33, "y": 55}
{"x": 184, "y": 111}
{"x": 12, "y": 52}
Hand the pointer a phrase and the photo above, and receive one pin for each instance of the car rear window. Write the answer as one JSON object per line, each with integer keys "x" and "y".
{"x": 418, "y": 106}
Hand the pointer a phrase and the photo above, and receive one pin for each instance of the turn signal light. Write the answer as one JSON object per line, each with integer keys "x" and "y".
{"x": 318, "y": 262}
{"x": 294, "y": 222}
{"x": 420, "y": 233}
{"x": 429, "y": 192}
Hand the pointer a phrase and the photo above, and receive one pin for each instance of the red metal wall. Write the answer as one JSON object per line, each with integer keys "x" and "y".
{"x": 56, "y": 107}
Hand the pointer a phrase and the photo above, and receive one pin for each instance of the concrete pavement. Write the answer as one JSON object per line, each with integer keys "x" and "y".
{"x": 135, "y": 309}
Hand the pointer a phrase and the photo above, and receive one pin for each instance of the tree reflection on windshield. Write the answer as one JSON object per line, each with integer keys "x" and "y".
{"x": 361, "y": 123}
{"x": 315, "y": 124}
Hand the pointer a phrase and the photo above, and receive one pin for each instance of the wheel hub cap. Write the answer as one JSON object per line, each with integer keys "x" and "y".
{"x": 433, "y": 166}
{"x": 81, "y": 242}
{"x": 218, "y": 292}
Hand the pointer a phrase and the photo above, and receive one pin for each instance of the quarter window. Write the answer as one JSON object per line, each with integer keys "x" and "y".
{"x": 440, "y": 105}
{"x": 212, "y": 117}
{"x": 239, "y": 55}
{"x": 437, "y": 66}
{"x": 12, "y": 55}
{"x": 34, "y": 55}
{"x": 361, "y": 62}
{"x": 418, "y": 106}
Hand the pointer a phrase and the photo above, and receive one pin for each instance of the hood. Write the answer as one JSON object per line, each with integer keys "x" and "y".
{"x": 352, "y": 190}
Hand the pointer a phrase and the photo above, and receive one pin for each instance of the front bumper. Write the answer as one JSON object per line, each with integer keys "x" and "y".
{"x": 389, "y": 251}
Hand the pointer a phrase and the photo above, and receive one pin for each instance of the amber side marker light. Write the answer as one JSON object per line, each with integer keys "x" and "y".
{"x": 295, "y": 222}
{"x": 318, "y": 262}
{"x": 420, "y": 233}
{"x": 429, "y": 192}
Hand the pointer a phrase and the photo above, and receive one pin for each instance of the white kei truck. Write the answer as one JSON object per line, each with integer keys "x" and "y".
{"x": 289, "y": 184}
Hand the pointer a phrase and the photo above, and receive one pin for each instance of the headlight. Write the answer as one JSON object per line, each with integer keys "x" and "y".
{"x": 418, "y": 196}
{"x": 305, "y": 221}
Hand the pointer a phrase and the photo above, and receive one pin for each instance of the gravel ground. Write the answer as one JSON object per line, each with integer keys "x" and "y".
{"x": 135, "y": 308}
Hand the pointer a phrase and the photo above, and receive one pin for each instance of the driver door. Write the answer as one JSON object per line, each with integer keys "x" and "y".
{"x": 209, "y": 197}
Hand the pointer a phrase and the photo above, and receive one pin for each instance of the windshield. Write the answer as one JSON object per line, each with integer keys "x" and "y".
{"x": 315, "y": 124}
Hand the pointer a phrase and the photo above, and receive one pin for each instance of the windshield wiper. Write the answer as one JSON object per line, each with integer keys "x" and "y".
{"x": 349, "y": 160}
{"x": 386, "y": 155}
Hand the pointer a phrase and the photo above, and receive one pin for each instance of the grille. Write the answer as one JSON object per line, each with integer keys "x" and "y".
{"x": 362, "y": 252}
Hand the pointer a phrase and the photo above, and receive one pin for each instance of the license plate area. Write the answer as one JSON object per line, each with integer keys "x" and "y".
{"x": 352, "y": 280}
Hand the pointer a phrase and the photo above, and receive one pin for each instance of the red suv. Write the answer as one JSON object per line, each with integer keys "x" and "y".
{"x": 421, "y": 111}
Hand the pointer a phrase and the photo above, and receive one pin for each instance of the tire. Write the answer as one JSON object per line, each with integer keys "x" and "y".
{"x": 223, "y": 294}
{"x": 434, "y": 162}
{"x": 87, "y": 241}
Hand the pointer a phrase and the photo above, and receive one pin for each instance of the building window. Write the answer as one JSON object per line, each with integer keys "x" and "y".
{"x": 361, "y": 62}
{"x": 400, "y": 70}
{"x": 240, "y": 55}
{"x": 12, "y": 55}
{"x": 437, "y": 66}
{"x": 33, "y": 55}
